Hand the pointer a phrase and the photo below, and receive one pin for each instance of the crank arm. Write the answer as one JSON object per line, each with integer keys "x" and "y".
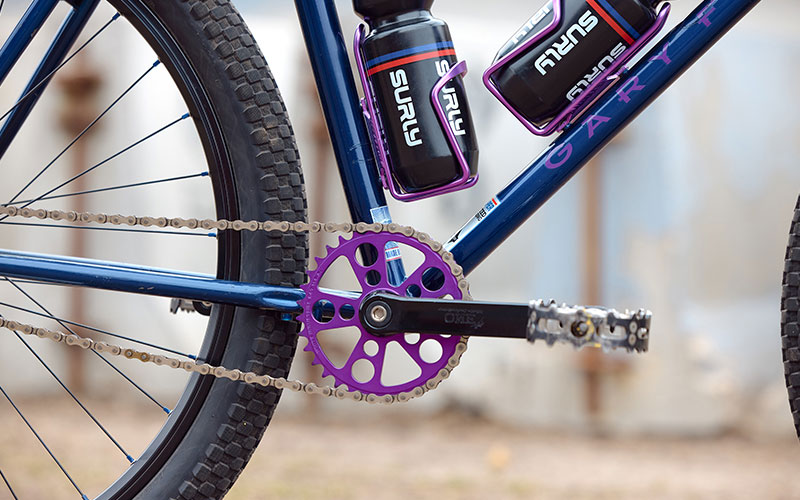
{"x": 438, "y": 316}
{"x": 383, "y": 315}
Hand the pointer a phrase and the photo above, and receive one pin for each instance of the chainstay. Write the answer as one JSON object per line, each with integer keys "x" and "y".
{"x": 341, "y": 392}
{"x": 574, "y": 325}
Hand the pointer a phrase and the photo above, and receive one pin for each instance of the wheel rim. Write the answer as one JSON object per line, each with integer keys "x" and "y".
{"x": 227, "y": 266}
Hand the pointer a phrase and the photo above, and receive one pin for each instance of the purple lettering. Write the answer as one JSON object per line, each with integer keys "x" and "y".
{"x": 625, "y": 95}
{"x": 703, "y": 16}
{"x": 595, "y": 121}
{"x": 662, "y": 56}
{"x": 564, "y": 152}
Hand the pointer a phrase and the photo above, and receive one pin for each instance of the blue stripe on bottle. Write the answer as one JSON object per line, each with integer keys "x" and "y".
{"x": 409, "y": 52}
{"x": 617, "y": 17}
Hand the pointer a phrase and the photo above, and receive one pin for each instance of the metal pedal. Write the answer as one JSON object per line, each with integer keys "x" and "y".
{"x": 592, "y": 326}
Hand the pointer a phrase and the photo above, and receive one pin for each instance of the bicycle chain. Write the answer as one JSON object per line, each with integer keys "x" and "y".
{"x": 237, "y": 225}
{"x": 567, "y": 317}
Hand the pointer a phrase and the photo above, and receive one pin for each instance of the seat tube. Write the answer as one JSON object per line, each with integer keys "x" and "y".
{"x": 341, "y": 106}
{"x": 55, "y": 56}
{"x": 343, "y": 114}
{"x": 15, "y": 45}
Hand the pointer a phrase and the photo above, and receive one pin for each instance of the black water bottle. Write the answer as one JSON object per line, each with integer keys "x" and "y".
{"x": 543, "y": 80}
{"x": 405, "y": 54}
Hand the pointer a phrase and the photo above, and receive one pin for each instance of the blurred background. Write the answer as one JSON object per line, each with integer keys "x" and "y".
{"x": 690, "y": 221}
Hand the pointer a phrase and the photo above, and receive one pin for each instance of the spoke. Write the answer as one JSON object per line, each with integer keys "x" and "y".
{"x": 50, "y": 75}
{"x": 114, "y": 188}
{"x": 1, "y": 470}
{"x": 41, "y": 441}
{"x": 130, "y": 381}
{"x": 115, "y": 155}
{"x": 91, "y": 328}
{"x": 32, "y": 282}
{"x": 88, "y": 127}
{"x": 74, "y": 398}
{"x": 64, "y": 326}
{"x": 113, "y": 229}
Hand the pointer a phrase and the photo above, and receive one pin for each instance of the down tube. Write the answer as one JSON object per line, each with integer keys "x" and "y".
{"x": 502, "y": 215}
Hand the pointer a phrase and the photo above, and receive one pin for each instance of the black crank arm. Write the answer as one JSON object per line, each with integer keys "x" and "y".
{"x": 384, "y": 314}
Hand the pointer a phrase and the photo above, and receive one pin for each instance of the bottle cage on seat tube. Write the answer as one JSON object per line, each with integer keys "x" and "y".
{"x": 369, "y": 106}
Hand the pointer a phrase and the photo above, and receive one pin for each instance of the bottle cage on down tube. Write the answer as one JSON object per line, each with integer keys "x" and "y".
{"x": 594, "y": 90}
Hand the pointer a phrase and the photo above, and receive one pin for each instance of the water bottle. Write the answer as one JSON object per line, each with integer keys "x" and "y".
{"x": 592, "y": 34}
{"x": 405, "y": 53}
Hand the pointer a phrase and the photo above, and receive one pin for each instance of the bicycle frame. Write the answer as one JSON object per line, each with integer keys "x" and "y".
{"x": 635, "y": 89}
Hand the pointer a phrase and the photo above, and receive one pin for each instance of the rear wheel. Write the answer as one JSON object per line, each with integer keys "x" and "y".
{"x": 790, "y": 322}
{"x": 244, "y": 136}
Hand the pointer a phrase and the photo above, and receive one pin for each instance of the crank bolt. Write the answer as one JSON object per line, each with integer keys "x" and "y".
{"x": 378, "y": 314}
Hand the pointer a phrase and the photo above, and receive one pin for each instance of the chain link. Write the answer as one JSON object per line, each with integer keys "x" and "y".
{"x": 575, "y": 325}
{"x": 237, "y": 225}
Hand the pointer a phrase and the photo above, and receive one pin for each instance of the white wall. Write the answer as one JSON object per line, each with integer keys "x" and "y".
{"x": 697, "y": 197}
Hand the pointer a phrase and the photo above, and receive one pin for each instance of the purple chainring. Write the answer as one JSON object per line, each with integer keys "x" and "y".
{"x": 312, "y": 326}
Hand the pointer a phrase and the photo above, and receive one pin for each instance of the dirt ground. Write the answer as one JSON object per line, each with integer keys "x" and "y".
{"x": 421, "y": 457}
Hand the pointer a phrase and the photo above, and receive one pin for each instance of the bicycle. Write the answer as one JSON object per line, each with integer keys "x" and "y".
{"x": 248, "y": 282}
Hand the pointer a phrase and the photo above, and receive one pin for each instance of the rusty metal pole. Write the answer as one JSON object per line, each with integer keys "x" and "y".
{"x": 80, "y": 88}
{"x": 594, "y": 364}
{"x": 322, "y": 153}
{"x": 592, "y": 359}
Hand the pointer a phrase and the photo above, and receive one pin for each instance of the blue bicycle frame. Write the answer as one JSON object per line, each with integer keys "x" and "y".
{"x": 495, "y": 221}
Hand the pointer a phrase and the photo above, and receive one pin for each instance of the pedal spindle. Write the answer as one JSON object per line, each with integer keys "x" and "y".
{"x": 592, "y": 326}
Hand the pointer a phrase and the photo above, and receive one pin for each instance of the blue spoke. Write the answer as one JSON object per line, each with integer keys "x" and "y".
{"x": 137, "y": 386}
{"x": 1, "y": 470}
{"x": 91, "y": 328}
{"x": 88, "y": 127}
{"x": 74, "y": 398}
{"x": 64, "y": 326}
{"x": 50, "y": 75}
{"x": 115, "y": 155}
{"x": 118, "y": 229}
{"x": 41, "y": 441}
{"x": 32, "y": 282}
{"x": 115, "y": 188}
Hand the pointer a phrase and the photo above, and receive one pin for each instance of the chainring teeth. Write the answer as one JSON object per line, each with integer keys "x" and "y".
{"x": 391, "y": 232}
{"x": 449, "y": 347}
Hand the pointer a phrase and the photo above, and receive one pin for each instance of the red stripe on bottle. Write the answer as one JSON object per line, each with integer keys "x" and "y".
{"x": 410, "y": 59}
{"x": 611, "y": 22}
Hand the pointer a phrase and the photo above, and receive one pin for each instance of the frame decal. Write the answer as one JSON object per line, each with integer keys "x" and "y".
{"x": 635, "y": 89}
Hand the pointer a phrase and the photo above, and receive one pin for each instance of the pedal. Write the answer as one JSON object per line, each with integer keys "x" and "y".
{"x": 190, "y": 306}
{"x": 588, "y": 326}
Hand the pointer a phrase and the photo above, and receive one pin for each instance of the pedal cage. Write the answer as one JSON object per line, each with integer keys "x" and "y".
{"x": 592, "y": 326}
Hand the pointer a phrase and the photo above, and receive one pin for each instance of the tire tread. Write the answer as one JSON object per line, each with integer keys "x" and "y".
{"x": 282, "y": 191}
{"x": 790, "y": 323}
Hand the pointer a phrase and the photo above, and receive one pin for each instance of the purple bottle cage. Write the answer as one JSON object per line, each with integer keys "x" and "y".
{"x": 368, "y": 105}
{"x": 600, "y": 84}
